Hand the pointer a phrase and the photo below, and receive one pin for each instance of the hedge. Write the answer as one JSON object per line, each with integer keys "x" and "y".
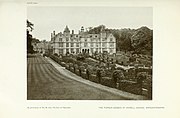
{"x": 93, "y": 78}
{"x": 130, "y": 86}
{"x": 107, "y": 81}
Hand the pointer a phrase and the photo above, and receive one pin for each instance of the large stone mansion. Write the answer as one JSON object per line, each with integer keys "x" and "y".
{"x": 83, "y": 42}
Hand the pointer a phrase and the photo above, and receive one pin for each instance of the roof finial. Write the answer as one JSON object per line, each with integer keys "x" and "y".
{"x": 66, "y": 29}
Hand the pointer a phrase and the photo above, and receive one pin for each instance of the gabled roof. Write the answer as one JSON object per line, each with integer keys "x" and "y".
{"x": 108, "y": 34}
{"x": 66, "y": 29}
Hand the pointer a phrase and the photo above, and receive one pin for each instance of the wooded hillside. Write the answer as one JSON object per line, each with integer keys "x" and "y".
{"x": 138, "y": 41}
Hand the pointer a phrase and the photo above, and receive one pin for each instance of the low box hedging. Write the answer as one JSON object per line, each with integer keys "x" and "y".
{"x": 93, "y": 78}
{"x": 130, "y": 86}
{"x": 107, "y": 81}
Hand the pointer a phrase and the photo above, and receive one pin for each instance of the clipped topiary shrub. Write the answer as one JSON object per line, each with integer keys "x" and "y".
{"x": 77, "y": 71}
{"x": 83, "y": 75}
{"x": 63, "y": 64}
{"x": 55, "y": 54}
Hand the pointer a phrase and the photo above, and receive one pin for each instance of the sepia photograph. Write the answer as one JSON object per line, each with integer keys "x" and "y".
{"x": 89, "y": 53}
{"x": 89, "y": 59}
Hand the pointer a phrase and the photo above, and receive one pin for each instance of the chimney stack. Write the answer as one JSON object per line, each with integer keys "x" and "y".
{"x": 72, "y": 31}
{"x": 51, "y": 35}
{"x": 54, "y": 33}
{"x": 82, "y": 29}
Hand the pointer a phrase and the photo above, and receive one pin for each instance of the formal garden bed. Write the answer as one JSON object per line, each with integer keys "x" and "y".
{"x": 137, "y": 81}
{"x": 125, "y": 59}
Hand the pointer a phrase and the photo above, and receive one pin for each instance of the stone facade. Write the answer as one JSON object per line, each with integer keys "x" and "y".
{"x": 66, "y": 42}
{"x": 41, "y": 47}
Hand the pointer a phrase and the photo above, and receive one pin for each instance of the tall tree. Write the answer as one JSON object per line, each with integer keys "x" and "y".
{"x": 142, "y": 40}
{"x": 29, "y": 29}
{"x": 29, "y": 26}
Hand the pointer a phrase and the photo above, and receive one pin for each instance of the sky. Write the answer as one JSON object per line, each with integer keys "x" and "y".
{"x": 50, "y": 18}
